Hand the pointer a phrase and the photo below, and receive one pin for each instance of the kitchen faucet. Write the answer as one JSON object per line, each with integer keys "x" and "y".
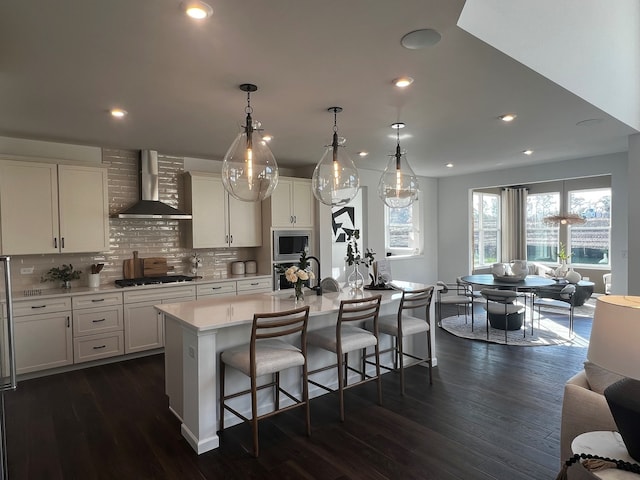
{"x": 317, "y": 287}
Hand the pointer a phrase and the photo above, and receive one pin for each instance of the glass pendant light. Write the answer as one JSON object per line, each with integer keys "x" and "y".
{"x": 249, "y": 169}
{"x": 398, "y": 186}
{"x": 335, "y": 179}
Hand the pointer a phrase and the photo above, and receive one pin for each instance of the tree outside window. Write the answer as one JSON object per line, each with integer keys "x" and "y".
{"x": 542, "y": 238}
{"x": 589, "y": 243}
{"x": 402, "y": 233}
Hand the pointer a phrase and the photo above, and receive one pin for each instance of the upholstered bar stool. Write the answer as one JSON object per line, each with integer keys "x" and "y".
{"x": 458, "y": 294}
{"x": 348, "y": 336}
{"x": 403, "y": 325}
{"x": 502, "y": 305}
{"x": 269, "y": 353}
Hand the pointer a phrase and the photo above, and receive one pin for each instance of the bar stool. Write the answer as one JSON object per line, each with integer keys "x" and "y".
{"x": 403, "y": 325}
{"x": 268, "y": 354}
{"x": 345, "y": 338}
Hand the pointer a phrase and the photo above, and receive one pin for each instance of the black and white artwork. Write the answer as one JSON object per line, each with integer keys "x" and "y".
{"x": 343, "y": 223}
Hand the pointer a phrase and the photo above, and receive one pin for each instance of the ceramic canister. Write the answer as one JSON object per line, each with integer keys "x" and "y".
{"x": 237, "y": 268}
{"x": 250, "y": 267}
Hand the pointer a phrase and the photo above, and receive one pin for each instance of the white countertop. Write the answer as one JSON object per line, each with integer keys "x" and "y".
{"x": 209, "y": 314}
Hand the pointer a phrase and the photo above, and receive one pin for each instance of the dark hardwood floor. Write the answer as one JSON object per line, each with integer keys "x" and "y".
{"x": 493, "y": 412}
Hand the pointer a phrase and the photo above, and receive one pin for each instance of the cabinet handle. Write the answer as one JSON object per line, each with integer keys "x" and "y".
{"x": 68, "y": 322}
{"x": 226, "y": 239}
{"x": 98, "y": 300}
{"x": 38, "y": 306}
{"x": 98, "y": 347}
{"x": 55, "y": 242}
{"x": 291, "y": 219}
{"x": 62, "y": 242}
{"x": 231, "y": 238}
{"x": 216, "y": 288}
{"x": 98, "y": 321}
{"x": 295, "y": 219}
{"x": 256, "y": 283}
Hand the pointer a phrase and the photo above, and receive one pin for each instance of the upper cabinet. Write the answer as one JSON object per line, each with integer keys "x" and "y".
{"x": 220, "y": 220}
{"x": 49, "y": 208}
{"x": 292, "y": 204}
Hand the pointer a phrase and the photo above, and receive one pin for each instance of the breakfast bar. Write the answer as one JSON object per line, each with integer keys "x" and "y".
{"x": 197, "y": 331}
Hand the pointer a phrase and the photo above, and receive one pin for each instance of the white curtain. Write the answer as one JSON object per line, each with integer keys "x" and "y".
{"x": 514, "y": 224}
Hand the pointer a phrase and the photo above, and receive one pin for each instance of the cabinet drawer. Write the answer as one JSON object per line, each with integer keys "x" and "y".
{"x": 220, "y": 288}
{"x": 44, "y": 305}
{"x": 96, "y": 300}
{"x": 93, "y": 347}
{"x": 254, "y": 285}
{"x": 158, "y": 294}
{"x": 97, "y": 320}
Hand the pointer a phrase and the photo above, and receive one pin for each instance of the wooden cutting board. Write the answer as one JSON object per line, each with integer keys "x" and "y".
{"x": 154, "y": 266}
{"x": 132, "y": 267}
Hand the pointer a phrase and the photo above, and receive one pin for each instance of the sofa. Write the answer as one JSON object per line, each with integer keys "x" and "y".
{"x": 584, "y": 409}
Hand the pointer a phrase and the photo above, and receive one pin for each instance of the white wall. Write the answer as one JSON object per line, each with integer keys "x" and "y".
{"x": 454, "y": 207}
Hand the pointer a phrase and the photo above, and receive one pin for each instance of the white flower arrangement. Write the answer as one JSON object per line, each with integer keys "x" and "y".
{"x": 294, "y": 274}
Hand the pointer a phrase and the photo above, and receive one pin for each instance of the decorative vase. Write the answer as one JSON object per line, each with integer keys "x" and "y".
{"x": 562, "y": 269}
{"x": 66, "y": 284}
{"x": 356, "y": 279}
{"x": 572, "y": 276}
{"x": 299, "y": 295}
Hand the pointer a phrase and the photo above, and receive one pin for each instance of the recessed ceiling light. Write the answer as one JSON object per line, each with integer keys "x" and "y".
{"x": 449, "y": 165}
{"x": 508, "y": 117}
{"x": 118, "y": 112}
{"x": 423, "y": 38}
{"x": 403, "y": 82}
{"x": 197, "y": 10}
{"x": 528, "y": 152}
{"x": 363, "y": 154}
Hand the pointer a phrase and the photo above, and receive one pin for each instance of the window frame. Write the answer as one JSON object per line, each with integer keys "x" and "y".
{"x": 416, "y": 230}
{"x": 480, "y": 230}
{"x": 570, "y": 229}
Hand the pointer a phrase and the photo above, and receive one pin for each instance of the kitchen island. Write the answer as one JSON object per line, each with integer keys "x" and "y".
{"x": 196, "y": 332}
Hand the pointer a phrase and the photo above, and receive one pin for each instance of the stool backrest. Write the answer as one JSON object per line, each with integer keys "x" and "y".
{"x": 415, "y": 299}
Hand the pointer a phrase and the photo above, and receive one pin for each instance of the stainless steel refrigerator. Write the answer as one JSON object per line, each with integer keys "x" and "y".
{"x": 7, "y": 361}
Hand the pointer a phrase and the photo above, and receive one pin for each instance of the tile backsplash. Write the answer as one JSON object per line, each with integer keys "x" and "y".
{"x": 151, "y": 238}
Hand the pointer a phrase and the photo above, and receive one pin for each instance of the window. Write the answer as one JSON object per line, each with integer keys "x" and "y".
{"x": 542, "y": 238}
{"x": 402, "y": 232}
{"x": 486, "y": 228}
{"x": 589, "y": 243}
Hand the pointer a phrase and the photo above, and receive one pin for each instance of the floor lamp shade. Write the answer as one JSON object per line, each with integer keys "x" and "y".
{"x": 615, "y": 346}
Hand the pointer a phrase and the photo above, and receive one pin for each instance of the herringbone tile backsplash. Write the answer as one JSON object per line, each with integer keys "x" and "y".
{"x": 151, "y": 238}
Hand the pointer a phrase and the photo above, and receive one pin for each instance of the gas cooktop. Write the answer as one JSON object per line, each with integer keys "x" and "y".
{"x": 133, "y": 282}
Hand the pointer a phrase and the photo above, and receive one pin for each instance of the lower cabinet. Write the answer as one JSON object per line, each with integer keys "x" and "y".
{"x": 44, "y": 339}
{"x": 98, "y": 327}
{"x": 143, "y": 326}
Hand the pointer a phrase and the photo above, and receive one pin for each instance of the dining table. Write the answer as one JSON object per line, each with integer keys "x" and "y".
{"x": 197, "y": 331}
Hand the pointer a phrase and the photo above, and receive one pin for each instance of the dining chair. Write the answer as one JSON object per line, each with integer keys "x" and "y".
{"x": 270, "y": 351}
{"x": 347, "y": 336}
{"x": 563, "y": 300}
{"x": 504, "y": 305}
{"x": 403, "y": 325}
{"x": 459, "y": 294}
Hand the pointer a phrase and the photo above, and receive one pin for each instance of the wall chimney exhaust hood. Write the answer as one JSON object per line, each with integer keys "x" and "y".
{"x": 149, "y": 207}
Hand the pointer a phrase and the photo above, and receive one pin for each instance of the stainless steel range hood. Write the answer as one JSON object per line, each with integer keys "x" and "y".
{"x": 149, "y": 207}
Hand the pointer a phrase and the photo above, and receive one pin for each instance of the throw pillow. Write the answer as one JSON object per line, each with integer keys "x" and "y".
{"x": 599, "y": 378}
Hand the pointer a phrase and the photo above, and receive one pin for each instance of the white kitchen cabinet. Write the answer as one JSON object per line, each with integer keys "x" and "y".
{"x": 49, "y": 208}
{"x": 98, "y": 330}
{"x": 292, "y": 204}
{"x": 254, "y": 285}
{"x": 43, "y": 339}
{"x": 143, "y": 326}
{"x": 219, "y": 220}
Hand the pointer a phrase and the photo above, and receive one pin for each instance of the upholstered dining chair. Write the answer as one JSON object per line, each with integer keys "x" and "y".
{"x": 504, "y": 304}
{"x": 270, "y": 351}
{"x": 348, "y": 335}
{"x": 563, "y": 300}
{"x": 459, "y": 294}
{"x": 404, "y": 325}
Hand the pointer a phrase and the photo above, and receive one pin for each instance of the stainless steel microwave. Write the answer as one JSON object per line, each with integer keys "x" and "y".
{"x": 289, "y": 244}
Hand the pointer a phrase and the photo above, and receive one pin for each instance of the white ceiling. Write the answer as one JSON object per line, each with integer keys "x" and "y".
{"x": 64, "y": 64}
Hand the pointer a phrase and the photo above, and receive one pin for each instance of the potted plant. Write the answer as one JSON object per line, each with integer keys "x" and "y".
{"x": 355, "y": 258}
{"x": 564, "y": 257}
{"x": 65, "y": 274}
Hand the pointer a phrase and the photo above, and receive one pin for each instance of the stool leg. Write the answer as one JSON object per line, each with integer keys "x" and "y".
{"x": 221, "y": 410}
{"x": 341, "y": 379}
{"x": 254, "y": 414}
{"x": 400, "y": 354}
